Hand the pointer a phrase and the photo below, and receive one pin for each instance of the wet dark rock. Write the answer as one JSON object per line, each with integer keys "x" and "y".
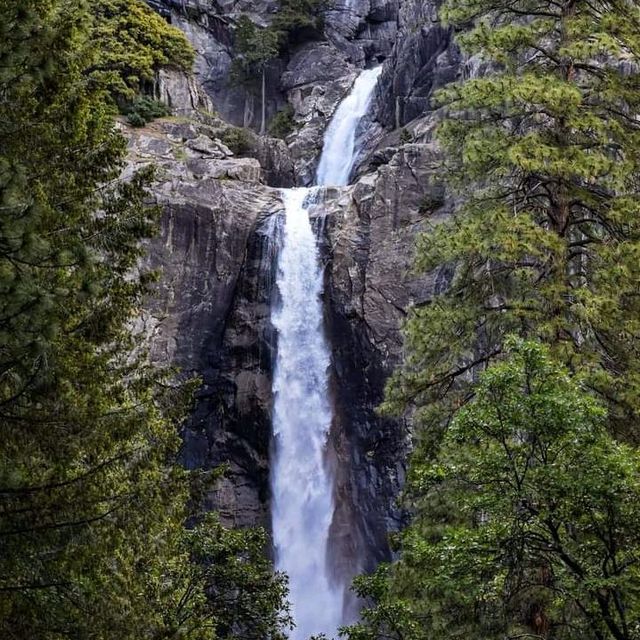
{"x": 371, "y": 231}
{"x": 423, "y": 59}
{"x": 209, "y": 315}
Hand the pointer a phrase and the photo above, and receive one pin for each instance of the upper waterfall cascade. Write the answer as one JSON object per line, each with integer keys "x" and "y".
{"x": 339, "y": 151}
{"x": 302, "y": 487}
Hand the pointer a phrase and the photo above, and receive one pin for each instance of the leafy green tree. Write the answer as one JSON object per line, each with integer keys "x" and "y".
{"x": 239, "y": 594}
{"x": 295, "y": 21}
{"x": 282, "y": 124}
{"x": 524, "y": 499}
{"x": 543, "y": 155}
{"x": 143, "y": 110}
{"x": 544, "y": 541}
{"x": 92, "y": 503}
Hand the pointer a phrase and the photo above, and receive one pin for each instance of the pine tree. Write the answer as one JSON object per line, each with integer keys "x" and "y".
{"x": 543, "y": 155}
{"x": 295, "y": 21}
{"x": 523, "y": 495}
{"x": 93, "y": 506}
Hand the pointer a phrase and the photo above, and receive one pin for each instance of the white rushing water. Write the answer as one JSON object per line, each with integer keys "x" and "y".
{"x": 339, "y": 150}
{"x": 302, "y": 489}
{"x": 303, "y": 501}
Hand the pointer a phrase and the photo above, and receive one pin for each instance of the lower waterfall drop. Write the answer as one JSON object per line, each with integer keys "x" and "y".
{"x": 302, "y": 489}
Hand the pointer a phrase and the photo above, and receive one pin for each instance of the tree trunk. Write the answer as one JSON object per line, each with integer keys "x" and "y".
{"x": 263, "y": 121}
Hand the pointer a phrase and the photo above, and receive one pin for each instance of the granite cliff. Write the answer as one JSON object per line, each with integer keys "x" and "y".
{"x": 211, "y": 312}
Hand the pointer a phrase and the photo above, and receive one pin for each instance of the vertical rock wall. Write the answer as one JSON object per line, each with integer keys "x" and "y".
{"x": 211, "y": 312}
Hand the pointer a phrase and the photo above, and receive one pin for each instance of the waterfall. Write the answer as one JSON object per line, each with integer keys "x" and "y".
{"x": 302, "y": 488}
{"x": 339, "y": 150}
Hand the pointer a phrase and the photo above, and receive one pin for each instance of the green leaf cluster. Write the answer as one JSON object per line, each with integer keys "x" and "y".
{"x": 238, "y": 140}
{"x": 543, "y": 541}
{"x": 542, "y": 157}
{"x": 256, "y": 46}
{"x": 298, "y": 20}
{"x": 143, "y": 110}
{"x": 282, "y": 124}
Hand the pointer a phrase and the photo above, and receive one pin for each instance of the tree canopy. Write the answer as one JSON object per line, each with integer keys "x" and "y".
{"x": 542, "y": 154}
{"x": 133, "y": 43}
{"x": 542, "y": 541}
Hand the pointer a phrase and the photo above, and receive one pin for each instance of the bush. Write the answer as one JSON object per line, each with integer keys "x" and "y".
{"x": 143, "y": 110}
{"x": 238, "y": 140}
{"x": 136, "y": 120}
{"x": 132, "y": 43}
{"x": 282, "y": 124}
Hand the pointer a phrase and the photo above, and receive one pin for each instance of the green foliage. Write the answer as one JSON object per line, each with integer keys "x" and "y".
{"x": 296, "y": 20}
{"x": 238, "y": 140}
{"x": 242, "y": 591}
{"x": 429, "y": 204}
{"x": 405, "y": 136}
{"x": 546, "y": 241}
{"x": 543, "y": 541}
{"x": 282, "y": 123}
{"x": 256, "y": 47}
{"x": 523, "y": 497}
{"x": 143, "y": 110}
{"x": 92, "y": 503}
{"x": 131, "y": 42}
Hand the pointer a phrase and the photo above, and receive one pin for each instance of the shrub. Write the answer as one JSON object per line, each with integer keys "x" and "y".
{"x": 132, "y": 43}
{"x": 144, "y": 109}
{"x": 237, "y": 139}
{"x": 405, "y": 136}
{"x": 282, "y": 124}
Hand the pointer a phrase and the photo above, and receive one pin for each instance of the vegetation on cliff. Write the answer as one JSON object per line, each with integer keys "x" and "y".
{"x": 133, "y": 44}
{"x": 256, "y": 47}
{"x": 299, "y": 20}
{"x": 93, "y": 505}
{"x": 524, "y": 498}
{"x": 525, "y": 521}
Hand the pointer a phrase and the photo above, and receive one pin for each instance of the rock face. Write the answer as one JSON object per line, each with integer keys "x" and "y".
{"x": 220, "y": 234}
{"x": 423, "y": 59}
{"x": 358, "y": 33}
{"x": 370, "y": 233}
{"x": 210, "y": 312}
{"x": 181, "y": 92}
